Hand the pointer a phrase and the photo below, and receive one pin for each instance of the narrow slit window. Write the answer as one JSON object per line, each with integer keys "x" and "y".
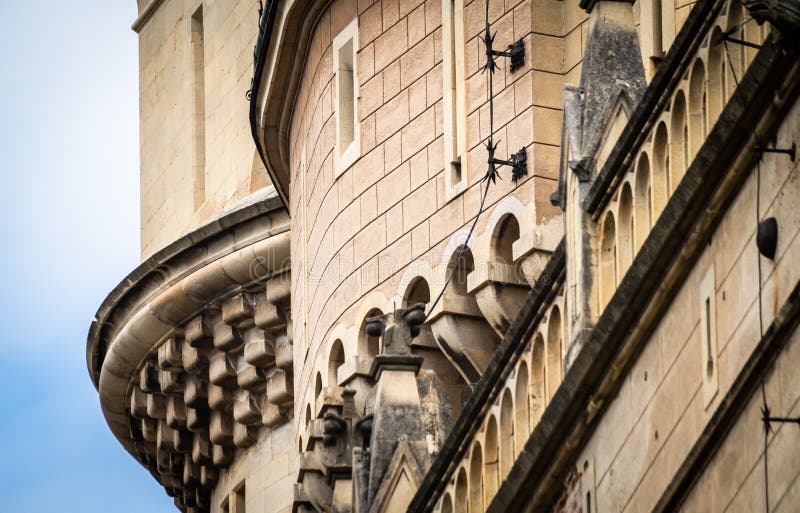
{"x": 199, "y": 104}
{"x": 708, "y": 335}
{"x": 454, "y": 98}
{"x": 345, "y": 48}
{"x": 651, "y": 35}
{"x": 239, "y": 499}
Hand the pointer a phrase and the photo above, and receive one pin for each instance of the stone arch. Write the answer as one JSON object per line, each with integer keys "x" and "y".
{"x": 717, "y": 76}
{"x": 447, "y": 504}
{"x": 507, "y": 454}
{"x": 317, "y": 387}
{"x": 419, "y": 269}
{"x": 460, "y": 264}
{"x": 660, "y": 182}
{"x": 418, "y": 291}
{"x": 678, "y": 138}
{"x": 522, "y": 410}
{"x": 508, "y": 206}
{"x": 368, "y": 345}
{"x": 537, "y": 377}
{"x": 457, "y": 240}
{"x": 462, "y": 492}
{"x": 625, "y": 228}
{"x": 491, "y": 481}
{"x": 698, "y": 107}
{"x": 335, "y": 360}
{"x": 736, "y": 52}
{"x": 476, "y": 479}
{"x": 608, "y": 259}
{"x": 642, "y": 201}
{"x": 553, "y": 355}
{"x": 505, "y": 234}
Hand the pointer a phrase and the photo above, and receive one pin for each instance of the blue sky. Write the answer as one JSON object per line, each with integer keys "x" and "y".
{"x": 69, "y": 222}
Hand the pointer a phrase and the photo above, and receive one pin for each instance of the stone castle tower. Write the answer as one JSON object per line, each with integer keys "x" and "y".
{"x": 444, "y": 256}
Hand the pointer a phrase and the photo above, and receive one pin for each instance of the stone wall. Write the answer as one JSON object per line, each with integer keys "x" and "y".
{"x": 173, "y": 201}
{"x": 267, "y": 470}
{"x": 662, "y": 408}
{"x": 361, "y": 235}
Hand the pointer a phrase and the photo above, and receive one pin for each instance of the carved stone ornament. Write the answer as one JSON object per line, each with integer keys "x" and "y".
{"x": 784, "y": 15}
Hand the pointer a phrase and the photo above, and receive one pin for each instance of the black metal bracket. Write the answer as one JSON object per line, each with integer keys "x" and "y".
{"x": 727, "y": 36}
{"x": 768, "y": 420}
{"x": 739, "y": 42}
{"x": 515, "y": 52}
{"x": 518, "y": 163}
{"x": 791, "y": 151}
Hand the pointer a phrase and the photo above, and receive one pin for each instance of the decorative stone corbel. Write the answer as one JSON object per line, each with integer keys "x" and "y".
{"x": 784, "y": 15}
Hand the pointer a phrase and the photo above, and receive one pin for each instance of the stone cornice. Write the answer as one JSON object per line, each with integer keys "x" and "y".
{"x": 145, "y": 14}
{"x": 286, "y": 30}
{"x": 192, "y": 351}
{"x": 183, "y": 253}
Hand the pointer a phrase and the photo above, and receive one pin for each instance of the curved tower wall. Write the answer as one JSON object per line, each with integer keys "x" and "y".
{"x": 362, "y": 233}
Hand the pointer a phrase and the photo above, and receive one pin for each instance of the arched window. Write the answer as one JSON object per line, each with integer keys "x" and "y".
{"x": 679, "y": 150}
{"x": 476, "y": 480}
{"x": 537, "y": 378}
{"x": 642, "y": 202}
{"x": 335, "y": 361}
{"x": 608, "y": 260}
{"x": 490, "y": 456}
{"x": 553, "y": 352}
{"x": 462, "y": 497}
{"x": 522, "y": 411}
{"x": 308, "y": 414}
{"x": 660, "y": 182}
{"x": 698, "y": 108}
{"x": 447, "y": 504}
{"x": 503, "y": 238}
{"x": 317, "y": 387}
{"x": 417, "y": 291}
{"x": 735, "y": 51}
{"x": 367, "y": 344}
{"x": 625, "y": 229}
{"x": 506, "y": 433}
{"x": 717, "y": 95}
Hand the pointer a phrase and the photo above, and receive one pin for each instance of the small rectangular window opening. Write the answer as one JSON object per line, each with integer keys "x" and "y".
{"x": 346, "y": 84}
{"x": 199, "y": 104}
{"x": 708, "y": 336}
{"x": 345, "y": 52}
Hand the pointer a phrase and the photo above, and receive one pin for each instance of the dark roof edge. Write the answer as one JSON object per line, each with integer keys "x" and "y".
{"x": 487, "y": 389}
{"x": 94, "y": 358}
{"x": 265, "y": 26}
{"x": 650, "y": 106}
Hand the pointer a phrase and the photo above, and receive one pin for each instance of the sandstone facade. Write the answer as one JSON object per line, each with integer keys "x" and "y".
{"x": 607, "y": 320}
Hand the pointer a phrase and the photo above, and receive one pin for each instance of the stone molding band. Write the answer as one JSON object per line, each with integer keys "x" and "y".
{"x": 172, "y": 286}
{"x": 146, "y": 14}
